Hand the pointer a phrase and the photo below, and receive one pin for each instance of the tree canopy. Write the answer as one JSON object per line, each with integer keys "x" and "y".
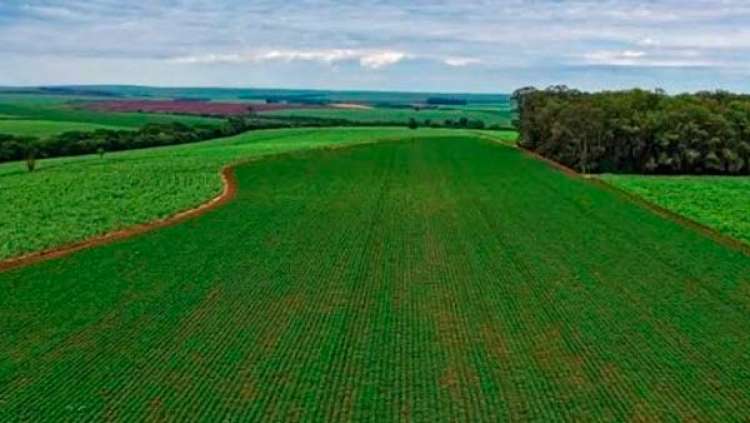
{"x": 637, "y": 131}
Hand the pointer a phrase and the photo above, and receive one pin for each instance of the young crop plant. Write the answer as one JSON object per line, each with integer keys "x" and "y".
{"x": 413, "y": 280}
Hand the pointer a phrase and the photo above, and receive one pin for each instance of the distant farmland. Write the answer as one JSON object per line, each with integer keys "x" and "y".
{"x": 58, "y": 109}
{"x": 201, "y": 108}
{"x": 43, "y": 128}
{"x": 489, "y": 116}
{"x": 448, "y": 279}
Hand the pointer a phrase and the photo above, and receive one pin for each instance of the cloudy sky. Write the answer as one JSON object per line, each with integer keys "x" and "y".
{"x": 446, "y": 45}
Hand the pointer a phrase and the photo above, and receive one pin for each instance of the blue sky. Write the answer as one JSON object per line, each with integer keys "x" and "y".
{"x": 479, "y": 46}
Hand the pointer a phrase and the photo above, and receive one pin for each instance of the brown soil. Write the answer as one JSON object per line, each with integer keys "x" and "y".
{"x": 230, "y": 190}
{"x": 561, "y": 167}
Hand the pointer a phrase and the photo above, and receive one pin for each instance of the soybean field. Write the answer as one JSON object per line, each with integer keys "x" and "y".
{"x": 433, "y": 279}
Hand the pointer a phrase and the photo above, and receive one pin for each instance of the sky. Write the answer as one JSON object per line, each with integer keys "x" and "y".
{"x": 447, "y": 45}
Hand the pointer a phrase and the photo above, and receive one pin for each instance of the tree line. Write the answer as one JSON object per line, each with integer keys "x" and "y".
{"x": 74, "y": 143}
{"x": 100, "y": 141}
{"x": 637, "y": 131}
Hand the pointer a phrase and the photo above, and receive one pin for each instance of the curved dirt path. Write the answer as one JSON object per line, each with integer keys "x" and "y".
{"x": 229, "y": 191}
{"x": 229, "y": 183}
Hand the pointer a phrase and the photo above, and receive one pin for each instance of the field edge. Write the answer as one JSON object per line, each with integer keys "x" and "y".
{"x": 692, "y": 224}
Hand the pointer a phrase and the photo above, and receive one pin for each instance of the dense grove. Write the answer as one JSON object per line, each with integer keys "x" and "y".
{"x": 637, "y": 131}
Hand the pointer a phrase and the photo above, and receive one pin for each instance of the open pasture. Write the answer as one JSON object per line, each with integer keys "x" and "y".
{"x": 446, "y": 279}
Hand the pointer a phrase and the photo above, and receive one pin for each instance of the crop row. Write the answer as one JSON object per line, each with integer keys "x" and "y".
{"x": 429, "y": 280}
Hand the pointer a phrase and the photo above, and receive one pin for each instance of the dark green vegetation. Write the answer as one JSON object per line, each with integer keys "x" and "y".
{"x": 719, "y": 202}
{"x": 452, "y": 280}
{"x": 638, "y": 131}
{"x": 461, "y": 117}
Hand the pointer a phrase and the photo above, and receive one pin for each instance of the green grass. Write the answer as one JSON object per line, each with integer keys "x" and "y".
{"x": 722, "y": 203}
{"x": 45, "y": 128}
{"x": 489, "y": 116}
{"x": 435, "y": 280}
{"x": 71, "y": 199}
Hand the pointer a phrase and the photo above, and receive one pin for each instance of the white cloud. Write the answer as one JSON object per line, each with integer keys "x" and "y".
{"x": 618, "y": 58}
{"x": 367, "y": 58}
{"x": 648, "y": 42}
{"x": 325, "y": 56}
{"x": 209, "y": 58}
{"x": 461, "y": 61}
{"x": 663, "y": 58}
{"x": 381, "y": 59}
{"x": 520, "y": 42}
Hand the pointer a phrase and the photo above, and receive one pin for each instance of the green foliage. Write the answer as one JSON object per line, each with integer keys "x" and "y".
{"x": 412, "y": 281}
{"x": 489, "y": 116}
{"x": 31, "y": 162}
{"x": 71, "y": 199}
{"x": 637, "y": 131}
{"x": 719, "y": 202}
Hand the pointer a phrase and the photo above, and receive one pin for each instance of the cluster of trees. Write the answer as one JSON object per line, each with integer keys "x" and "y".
{"x": 637, "y": 131}
{"x": 464, "y": 122}
{"x": 152, "y": 135}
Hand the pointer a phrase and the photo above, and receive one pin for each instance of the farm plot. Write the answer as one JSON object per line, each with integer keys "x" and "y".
{"x": 44, "y": 128}
{"x": 57, "y": 110}
{"x": 719, "y": 202}
{"x": 429, "y": 280}
{"x": 201, "y": 108}
{"x": 382, "y": 114}
{"x": 71, "y": 199}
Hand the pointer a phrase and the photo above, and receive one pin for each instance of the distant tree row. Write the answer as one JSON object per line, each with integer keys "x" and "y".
{"x": 446, "y": 101}
{"x": 100, "y": 141}
{"x": 75, "y": 143}
{"x": 637, "y": 131}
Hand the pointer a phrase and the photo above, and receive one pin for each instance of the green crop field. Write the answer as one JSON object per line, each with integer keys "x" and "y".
{"x": 56, "y": 109}
{"x": 719, "y": 202}
{"x": 71, "y": 199}
{"x": 44, "y": 128}
{"x": 445, "y": 279}
{"x": 501, "y": 117}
